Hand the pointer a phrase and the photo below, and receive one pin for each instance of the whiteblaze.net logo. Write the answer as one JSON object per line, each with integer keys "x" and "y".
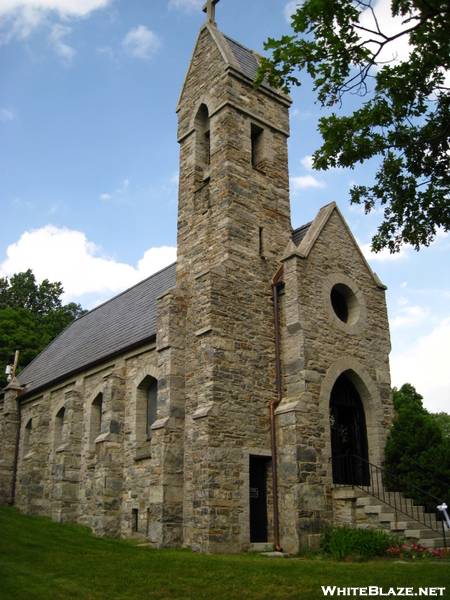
{"x": 373, "y": 590}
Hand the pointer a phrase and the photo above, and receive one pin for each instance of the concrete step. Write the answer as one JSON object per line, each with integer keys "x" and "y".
{"x": 373, "y": 509}
{"x": 403, "y": 525}
{"x": 388, "y": 517}
{"x": 395, "y": 519}
{"x": 431, "y": 543}
{"x": 421, "y": 534}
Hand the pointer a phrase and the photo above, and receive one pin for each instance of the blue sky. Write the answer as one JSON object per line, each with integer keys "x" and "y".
{"x": 89, "y": 160}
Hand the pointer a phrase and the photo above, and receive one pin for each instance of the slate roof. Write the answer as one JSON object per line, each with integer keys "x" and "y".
{"x": 299, "y": 233}
{"x": 247, "y": 61}
{"x": 119, "y": 324}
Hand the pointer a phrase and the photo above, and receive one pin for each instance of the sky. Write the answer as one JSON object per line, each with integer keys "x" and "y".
{"x": 89, "y": 160}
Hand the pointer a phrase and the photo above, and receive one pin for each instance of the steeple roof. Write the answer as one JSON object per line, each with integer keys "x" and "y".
{"x": 238, "y": 59}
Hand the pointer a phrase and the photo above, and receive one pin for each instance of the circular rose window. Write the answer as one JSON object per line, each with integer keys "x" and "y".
{"x": 346, "y": 303}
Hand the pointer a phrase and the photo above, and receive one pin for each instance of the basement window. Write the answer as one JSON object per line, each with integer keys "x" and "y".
{"x": 134, "y": 519}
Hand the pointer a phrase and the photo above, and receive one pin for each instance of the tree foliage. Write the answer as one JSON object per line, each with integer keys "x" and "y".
{"x": 31, "y": 316}
{"x": 443, "y": 420}
{"x": 417, "y": 451}
{"x": 404, "y": 119}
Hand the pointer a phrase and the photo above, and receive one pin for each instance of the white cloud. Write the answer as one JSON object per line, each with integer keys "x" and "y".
{"x": 107, "y": 50}
{"x": 65, "y": 8}
{"x": 409, "y": 316}
{"x": 307, "y": 162}
{"x": 125, "y": 185}
{"x": 105, "y": 197}
{"x": 384, "y": 255}
{"x": 306, "y": 181}
{"x": 399, "y": 49}
{"x": 58, "y": 32}
{"x": 61, "y": 254}
{"x": 141, "y": 42}
{"x": 18, "y": 18}
{"x": 6, "y": 115}
{"x": 290, "y": 9}
{"x": 425, "y": 366}
{"x": 185, "y": 5}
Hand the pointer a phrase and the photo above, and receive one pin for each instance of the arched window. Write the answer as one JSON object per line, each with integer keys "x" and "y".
{"x": 152, "y": 397}
{"x": 348, "y": 434}
{"x": 95, "y": 425}
{"x": 59, "y": 424}
{"x": 27, "y": 437}
{"x": 202, "y": 143}
{"x": 146, "y": 409}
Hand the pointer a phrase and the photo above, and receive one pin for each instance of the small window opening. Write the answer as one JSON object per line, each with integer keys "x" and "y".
{"x": 96, "y": 417}
{"x": 59, "y": 424}
{"x": 261, "y": 243}
{"x": 27, "y": 437}
{"x": 257, "y": 144}
{"x": 134, "y": 519}
{"x": 152, "y": 398}
{"x": 203, "y": 143}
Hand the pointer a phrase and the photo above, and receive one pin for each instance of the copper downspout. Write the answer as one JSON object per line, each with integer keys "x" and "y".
{"x": 278, "y": 280}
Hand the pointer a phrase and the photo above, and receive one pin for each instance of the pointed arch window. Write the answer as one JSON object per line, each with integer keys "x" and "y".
{"x": 349, "y": 445}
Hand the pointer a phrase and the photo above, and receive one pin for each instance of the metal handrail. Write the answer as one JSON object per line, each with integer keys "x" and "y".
{"x": 356, "y": 471}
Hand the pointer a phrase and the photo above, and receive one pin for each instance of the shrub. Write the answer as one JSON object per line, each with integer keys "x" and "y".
{"x": 340, "y": 542}
{"x": 417, "y": 452}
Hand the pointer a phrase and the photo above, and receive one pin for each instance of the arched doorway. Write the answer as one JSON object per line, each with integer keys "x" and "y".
{"x": 349, "y": 446}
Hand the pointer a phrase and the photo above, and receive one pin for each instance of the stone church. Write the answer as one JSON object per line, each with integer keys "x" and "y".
{"x": 204, "y": 407}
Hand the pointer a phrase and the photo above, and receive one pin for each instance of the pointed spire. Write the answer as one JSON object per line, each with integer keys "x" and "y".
{"x": 210, "y": 9}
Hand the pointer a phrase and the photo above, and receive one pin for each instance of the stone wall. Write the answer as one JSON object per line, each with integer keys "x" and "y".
{"x": 317, "y": 348}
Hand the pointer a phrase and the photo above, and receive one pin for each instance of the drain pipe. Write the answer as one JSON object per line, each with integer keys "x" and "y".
{"x": 278, "y": 281}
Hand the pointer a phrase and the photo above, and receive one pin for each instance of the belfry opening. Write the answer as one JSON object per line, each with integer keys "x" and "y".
{"x": 349, "y": 447}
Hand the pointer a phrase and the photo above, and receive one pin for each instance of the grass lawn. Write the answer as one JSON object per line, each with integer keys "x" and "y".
{"x": 43, "y": 560}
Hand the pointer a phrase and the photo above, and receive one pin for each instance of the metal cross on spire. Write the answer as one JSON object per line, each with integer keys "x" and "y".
{"x": 210, "y": 9}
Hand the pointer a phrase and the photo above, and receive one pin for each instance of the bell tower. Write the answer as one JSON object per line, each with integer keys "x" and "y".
{"x": 234, "y": 180}
{"x": 233, "y": 225}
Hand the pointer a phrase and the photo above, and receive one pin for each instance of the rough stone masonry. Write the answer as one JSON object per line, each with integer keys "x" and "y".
{"x": 85, "y": 439}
